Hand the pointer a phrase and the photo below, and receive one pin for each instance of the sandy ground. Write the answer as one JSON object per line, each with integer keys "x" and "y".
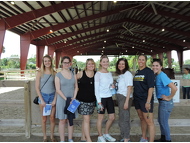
{"x": 16, "y": 111}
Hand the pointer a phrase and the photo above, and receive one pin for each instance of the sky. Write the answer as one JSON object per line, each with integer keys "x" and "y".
{"x": 12, "y": 47}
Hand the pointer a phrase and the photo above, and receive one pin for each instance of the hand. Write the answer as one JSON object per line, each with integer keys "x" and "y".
{"x": 167, "y": 98}
{"x": 72, "y": 100}
{"x": 43, "y": 103}
{"x": 125, "y": 107}
{"x": 100, "y": 107}
{"x": 147, "y": 106}
{"x": 53, "y": 103}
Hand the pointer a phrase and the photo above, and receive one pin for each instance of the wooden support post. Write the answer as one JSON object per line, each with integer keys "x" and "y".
{"x": 27, "y": 105}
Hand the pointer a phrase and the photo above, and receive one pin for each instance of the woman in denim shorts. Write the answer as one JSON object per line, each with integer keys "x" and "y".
{"x": 45, "y": 88}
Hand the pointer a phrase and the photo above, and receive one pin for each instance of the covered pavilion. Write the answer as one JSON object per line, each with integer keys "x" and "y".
{"x": 97, "y": 27}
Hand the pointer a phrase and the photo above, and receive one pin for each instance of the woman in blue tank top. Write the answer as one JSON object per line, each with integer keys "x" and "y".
{"x": 165, "y": 99}
{"x": 45, "y": 88}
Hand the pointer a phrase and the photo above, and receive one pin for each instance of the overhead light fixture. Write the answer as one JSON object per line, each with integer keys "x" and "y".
{"x": 12, "y": 2}
{"x": 163, "y": 47}
{"x": 51, "y": 31}
{"x": 184, "y": 41}
{"x": 65, "y": 41}
{"x": 143, "y": 53}
{"x": 115, "y": 1}
{"x": 104, "y": 41}
{"x": 103, "y": 47}
{"x": 108, "y": 30}
{"x": 102, "y": 51}
{"x": 143, "y": 40}
{"x": 77, "y": 51}
{"x": 126, "y": 51}
{"x": 133, "y": 47}
{"x": 163, "y": 29}
{"x": 122, "y": 53}
{"x": 150, "y": 50}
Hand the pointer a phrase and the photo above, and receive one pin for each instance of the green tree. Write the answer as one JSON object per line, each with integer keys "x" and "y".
{"x": 187, "y": 62}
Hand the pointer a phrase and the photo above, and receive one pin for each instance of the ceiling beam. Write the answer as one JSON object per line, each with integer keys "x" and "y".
{"x": 19, "y": 19}
{"x": 41, "y": 32}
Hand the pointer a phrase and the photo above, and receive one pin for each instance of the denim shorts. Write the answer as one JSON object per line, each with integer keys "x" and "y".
{"x": 48, "y": 98}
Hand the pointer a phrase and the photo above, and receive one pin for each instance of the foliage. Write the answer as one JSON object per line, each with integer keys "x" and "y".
{"x": 14, "y": 63}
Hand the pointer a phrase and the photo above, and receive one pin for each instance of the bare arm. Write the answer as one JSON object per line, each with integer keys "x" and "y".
{"x": 37, "y": 86}
{"x": 79, "y": 75}
{"x": 126, "y": 104}
{"x": 76, "y": 87}
{"x": 58, "y": 88}
{"x": 150, "y": 93}
{"x": 173, "y": 91}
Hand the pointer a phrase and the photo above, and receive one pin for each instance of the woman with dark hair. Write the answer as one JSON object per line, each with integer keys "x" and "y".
{"x": 124, "y": 97}
{"x": 165, "y": 99}
{"x": 186, "y": 89}
{"x": 143, "y": 83}
{"x": 66, "y": 88}
{"x": 86, "y": 96}
{"x": 45, "y": 88}
{"x": 103, "y": 80}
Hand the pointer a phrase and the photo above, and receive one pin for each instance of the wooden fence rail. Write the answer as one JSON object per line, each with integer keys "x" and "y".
{"x": 32, "y": 113}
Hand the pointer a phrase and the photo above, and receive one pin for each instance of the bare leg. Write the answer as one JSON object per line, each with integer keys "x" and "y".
{"x": 62, "y": 129}
{"x": 151, "y": 127}
{"x": 83, "y": 135}
{"x": 44, "y": 119}
{"x": 70, "y": 131}
{"x": 99, "y": 124}
{"x": 52, "y": 122}
{"x": 86, "y": 125}
{"x": 111, "y": 118}
{"x": 143, "y": 123}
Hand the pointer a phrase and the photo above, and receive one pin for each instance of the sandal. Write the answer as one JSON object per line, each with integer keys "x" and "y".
{"x": 53, "y": 140}
{"x": 45, "y": 140}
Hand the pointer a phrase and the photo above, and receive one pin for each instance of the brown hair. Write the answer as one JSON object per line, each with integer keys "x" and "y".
{"x": 126, "y": 66}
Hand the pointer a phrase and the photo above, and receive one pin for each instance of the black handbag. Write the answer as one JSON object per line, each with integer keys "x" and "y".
{"x": 35, "y": 101}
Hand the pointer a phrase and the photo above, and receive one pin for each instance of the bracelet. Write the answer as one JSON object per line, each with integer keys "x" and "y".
{"x": 148, "y": 103}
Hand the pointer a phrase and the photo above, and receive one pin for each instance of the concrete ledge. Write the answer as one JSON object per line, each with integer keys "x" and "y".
{"x": 13, "y": 102}
{"x": 134, "y": 123}
{"x": 12, "y": 122}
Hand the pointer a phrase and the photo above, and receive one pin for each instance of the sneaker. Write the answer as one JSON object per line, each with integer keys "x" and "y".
{"x": 143, "y": 140}
{"x": 70, "y": 140}
{"x": 122, "y": 140}
{"x": 109, "y": 138}
{"x": 101, "y": 139}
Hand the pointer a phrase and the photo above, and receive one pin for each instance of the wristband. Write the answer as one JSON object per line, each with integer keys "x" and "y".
{"x": 148, "y": 103}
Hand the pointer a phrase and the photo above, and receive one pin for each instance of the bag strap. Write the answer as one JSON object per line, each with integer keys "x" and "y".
{"x": 45, "y": 83}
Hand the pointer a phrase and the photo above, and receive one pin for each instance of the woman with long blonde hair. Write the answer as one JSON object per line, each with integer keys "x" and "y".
{"x": 45, "y": 88}
{"x": 103, "y": 83}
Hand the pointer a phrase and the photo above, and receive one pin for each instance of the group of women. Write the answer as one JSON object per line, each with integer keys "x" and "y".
{"x": 93, "y": 89}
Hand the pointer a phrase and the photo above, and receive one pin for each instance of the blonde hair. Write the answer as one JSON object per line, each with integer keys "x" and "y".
{"x": 101, "y": 58}
{"x": 42, "y": 70}
{"x": 88, "y": 60}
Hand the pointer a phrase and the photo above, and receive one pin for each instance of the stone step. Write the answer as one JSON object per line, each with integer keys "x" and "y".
{"x": 134, "y": 122}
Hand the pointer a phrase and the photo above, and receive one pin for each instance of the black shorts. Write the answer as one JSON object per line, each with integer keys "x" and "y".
{"x": 140, "y": 104}
{"x": 108, "y": 104}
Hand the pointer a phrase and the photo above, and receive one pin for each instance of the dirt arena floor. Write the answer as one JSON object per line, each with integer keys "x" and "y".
{"x": 16, "y": 112}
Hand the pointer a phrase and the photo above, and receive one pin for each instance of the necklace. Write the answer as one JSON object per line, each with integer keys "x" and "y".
{"x": 90, "y": 77}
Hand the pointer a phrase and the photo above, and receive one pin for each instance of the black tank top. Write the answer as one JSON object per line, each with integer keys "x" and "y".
{"x": 86, "y": 89}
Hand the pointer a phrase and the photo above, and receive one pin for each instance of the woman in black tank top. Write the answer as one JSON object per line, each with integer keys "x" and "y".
{"x": 86, "y": 96}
